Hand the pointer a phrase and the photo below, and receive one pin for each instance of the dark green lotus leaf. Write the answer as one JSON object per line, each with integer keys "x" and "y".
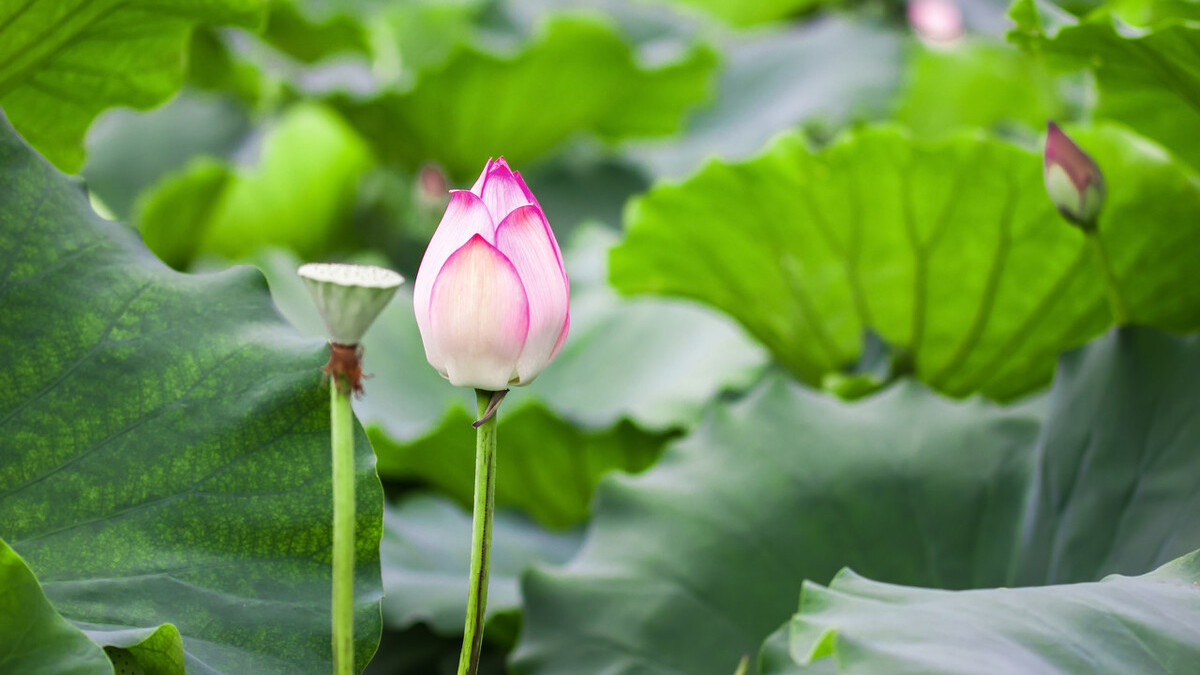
{"x": 691, "y": 565}
{"x": 426, "y": 558}
{"x": 949, "y": 250}
{"x": 62, "y": 63}
{"x": 1116, "y": 490}
{"x": 578, "y": 75}
{"x": 164, "y": 443}
{"x": 1148, "y": 76}
{"x": 1148, "y": 623}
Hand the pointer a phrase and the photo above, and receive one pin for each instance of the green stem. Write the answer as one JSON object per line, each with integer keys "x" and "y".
{"x": 481, "y": 537}
{"x": 343, "y": 529}
{"x": 1115, "y": 301}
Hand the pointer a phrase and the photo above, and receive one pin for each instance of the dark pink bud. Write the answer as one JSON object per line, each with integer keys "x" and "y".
{"x": 1073, "y": 180}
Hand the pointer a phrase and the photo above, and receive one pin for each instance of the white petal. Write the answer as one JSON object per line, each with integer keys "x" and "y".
{"x": 524, "y": 237}
{"x": 465, "y": 217}
{"x": 478, "y": 317}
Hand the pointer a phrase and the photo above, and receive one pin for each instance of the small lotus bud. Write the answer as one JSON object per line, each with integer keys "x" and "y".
{"x": 349, "y": 297}
{"x": 431, "y": 187}
{"x": 936, "y": 22}
{"x": 492, "y": 296}
{"x": 1073, "y": 180}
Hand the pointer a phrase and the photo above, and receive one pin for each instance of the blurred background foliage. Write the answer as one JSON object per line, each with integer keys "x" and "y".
{"x": 838, "y": 193}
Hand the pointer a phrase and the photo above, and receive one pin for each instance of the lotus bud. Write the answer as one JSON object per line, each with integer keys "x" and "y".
{"x": 1073, "y": 179}
{"x": 348, "y": 298}
{"x": 492, "y": 295}
{"x": 430, "y": 189}
{"x": 936, "y": 22}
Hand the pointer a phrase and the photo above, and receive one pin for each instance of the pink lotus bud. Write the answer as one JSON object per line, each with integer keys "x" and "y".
{"x": 1073, "y": 180}
{"x": 935, "y": 21}
{"x": 492, "y": 296}
{"x": 431, "y": 187}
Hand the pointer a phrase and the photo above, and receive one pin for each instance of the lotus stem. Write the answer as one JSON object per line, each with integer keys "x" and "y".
{"x": 1116, "y": 302}
{"x": 342, "y": 436}
{"x": 481, "y": 532}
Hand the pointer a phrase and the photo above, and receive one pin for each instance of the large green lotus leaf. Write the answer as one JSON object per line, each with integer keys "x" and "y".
{"x": 165, "y": 443}
{"x": 687, "y": 567}
{"x": 1116, "y": 490}
{"x": 690, "y": 565}
{"x": 36, "y": 639}
{"x": 426, "y": 558}
{"x": 299, "y": 195}
{"x": 950, "y": 250}
{"x": 1142, "y": 624}
{"x": 975, "y": 84}
{"x": 62, "y": 63}
{"x": 819, "y": 72}
{"x": 577, "y": 75}
{"x": 1148, "y": 76}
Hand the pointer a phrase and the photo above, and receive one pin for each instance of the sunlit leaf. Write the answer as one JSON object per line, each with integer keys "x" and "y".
{"x": 62, "y": 63}
{"x": 298, "y": 196}
{"x": 976, "y": 84}
{"x": 37, "y": 641}
{"x": 951, "y": 251}
{"x": 1148, "y": 76}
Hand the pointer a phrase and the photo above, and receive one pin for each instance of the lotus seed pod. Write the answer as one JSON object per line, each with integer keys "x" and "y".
{"x": 349, "y": 297}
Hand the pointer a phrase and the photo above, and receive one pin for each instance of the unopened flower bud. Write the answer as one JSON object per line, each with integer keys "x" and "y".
{"x": 936, "y": 22}
{"x": 431, "y": 187}
{"x": 492, "y": 296}
{"x": 1073, "y": 179}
